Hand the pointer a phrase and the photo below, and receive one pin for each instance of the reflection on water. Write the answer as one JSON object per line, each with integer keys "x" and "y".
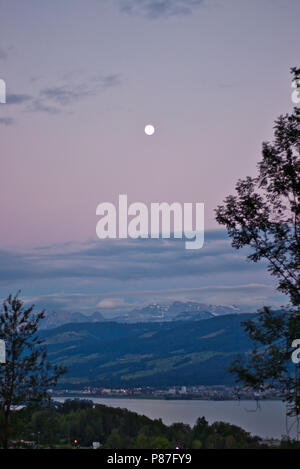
{"x": 266, "y": 420}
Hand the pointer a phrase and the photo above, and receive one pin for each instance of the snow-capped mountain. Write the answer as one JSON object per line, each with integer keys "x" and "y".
{"x": 155, "y": 312}
{"x": 178, "y": 310}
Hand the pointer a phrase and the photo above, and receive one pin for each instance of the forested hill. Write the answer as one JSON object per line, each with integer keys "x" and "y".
{"x": 166, "y": 354}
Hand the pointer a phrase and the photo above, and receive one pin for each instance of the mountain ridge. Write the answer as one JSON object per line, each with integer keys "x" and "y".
{"x": 154, "y": 312}
{"x": 148, "y": 354}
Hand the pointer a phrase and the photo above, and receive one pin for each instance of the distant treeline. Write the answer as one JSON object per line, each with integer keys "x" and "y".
{"x": 79, "y": 423}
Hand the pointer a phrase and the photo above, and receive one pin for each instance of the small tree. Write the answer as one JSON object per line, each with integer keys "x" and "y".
{"x": 26, "y": 375}
{"x": 265, "y": 216}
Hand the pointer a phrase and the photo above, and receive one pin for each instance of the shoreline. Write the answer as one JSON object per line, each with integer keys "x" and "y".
{"x": 265, "y": 418}
{"x": 160, "y": 398}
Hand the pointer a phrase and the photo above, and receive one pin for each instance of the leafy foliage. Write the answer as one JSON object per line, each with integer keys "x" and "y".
{"x": 265, "y": 213}
{"x": 115, "y": 428}
{"x": 265, "y": 216}
{"x": 26, "y": 375}
{"x": 269, "y": 364}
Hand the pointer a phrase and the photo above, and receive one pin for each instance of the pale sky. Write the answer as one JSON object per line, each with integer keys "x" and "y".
{"x": 84, "y": 78}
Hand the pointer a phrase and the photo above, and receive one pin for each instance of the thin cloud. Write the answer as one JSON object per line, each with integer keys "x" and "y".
{"x": 18, "y": 98}
{"x": 125, "y": 260}
{"x": 109, "y": 265}
{"x": 111, "y": 304}
{"x": 110, "y": 81}
{"x": 154, "y": 9}
{"x": 54, "y": 99}
{"x": 39, "y": 105}
{"x": 68, "y": 94}
{"x": 246, "y": 297}
{"x": 64, "y": 95}
{"x": 7, "y": 121}
{"x": 118, "y": 275}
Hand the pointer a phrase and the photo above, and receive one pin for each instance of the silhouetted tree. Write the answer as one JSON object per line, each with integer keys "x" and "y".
{"x": 264, "y": 216}
{"x": 26, "y": 375}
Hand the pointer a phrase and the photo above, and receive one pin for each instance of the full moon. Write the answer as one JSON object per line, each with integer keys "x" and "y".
{"x": 149, "y": 129}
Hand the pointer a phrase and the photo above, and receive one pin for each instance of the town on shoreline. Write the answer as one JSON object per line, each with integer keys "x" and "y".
{"x": 214, "y": 393}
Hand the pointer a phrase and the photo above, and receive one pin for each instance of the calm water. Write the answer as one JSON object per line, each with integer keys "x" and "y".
{"x": 268, "y": 421}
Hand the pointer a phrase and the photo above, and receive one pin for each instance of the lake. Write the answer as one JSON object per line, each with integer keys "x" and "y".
{"x": 267, "y": 421}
